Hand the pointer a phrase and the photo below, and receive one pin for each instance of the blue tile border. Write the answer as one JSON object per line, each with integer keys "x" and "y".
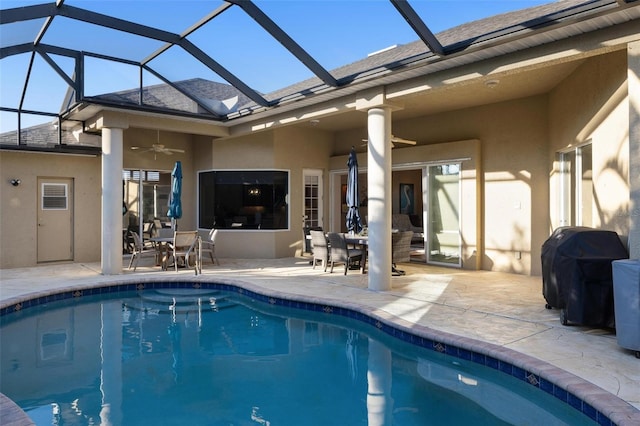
{"x": 464, "y": 354}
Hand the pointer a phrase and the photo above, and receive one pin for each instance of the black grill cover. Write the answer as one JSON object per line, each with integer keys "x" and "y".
{"x": 577, "y": 274}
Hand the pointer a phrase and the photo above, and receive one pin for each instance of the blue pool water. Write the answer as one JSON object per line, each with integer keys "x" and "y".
{"x": 170, "y": 356}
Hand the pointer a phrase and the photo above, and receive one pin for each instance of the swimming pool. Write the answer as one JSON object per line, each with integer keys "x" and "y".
{"x": 159, "y": 332}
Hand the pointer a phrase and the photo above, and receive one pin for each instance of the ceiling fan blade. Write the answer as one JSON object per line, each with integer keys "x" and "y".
{"x": 174, "y": 150}
{"x": 401, "y": 140}
{"x": 394, "y": 139}
{"x": 141, "y": 148}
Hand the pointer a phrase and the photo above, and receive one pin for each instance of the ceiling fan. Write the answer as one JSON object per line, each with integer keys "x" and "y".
{"x": 157, "y": 148}
{"x": 395, "y": 140}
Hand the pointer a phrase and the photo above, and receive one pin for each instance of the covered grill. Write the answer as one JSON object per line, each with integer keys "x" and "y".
{"x": 577, "y": 274}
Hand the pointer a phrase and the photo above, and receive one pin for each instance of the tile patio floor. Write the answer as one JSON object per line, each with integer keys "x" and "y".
{"x": 501, "y": 312}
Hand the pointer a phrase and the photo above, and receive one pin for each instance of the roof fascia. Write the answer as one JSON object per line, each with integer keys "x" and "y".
{"x": 81, "y": 150}
{"x": 542, "y": 23}
{"x": 333, "y": 101}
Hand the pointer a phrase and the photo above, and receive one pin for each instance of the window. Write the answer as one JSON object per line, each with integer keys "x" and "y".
{"x": 576, "y": 187}
{"x": 146, "y": 197}
{"x": 54, "y": 196}
{"x": 250, "y": 199}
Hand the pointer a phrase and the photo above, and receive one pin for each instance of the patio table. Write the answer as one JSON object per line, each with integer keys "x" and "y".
{"x": 162, "y": 246}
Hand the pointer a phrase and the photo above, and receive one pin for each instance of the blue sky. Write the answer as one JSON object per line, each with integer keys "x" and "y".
{"x": 334, "y": 32}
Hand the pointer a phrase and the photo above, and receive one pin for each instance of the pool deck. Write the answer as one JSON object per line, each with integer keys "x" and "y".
{"x": 492, "y": 311}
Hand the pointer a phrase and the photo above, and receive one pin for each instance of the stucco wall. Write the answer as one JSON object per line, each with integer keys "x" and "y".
{"x": 292, "y": 149}
{"x": 592, "y": 106}
{"x": 514, "y": 151}
{"x": 19, "y": 215}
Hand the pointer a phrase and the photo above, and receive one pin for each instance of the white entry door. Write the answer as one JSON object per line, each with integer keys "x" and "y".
{"x": 55, "y": 219}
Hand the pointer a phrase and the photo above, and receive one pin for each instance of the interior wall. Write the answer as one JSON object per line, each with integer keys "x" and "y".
{"x": 413, "y": 177}
{"x": 19, "y": 205}
{"x": 592, "y": 106}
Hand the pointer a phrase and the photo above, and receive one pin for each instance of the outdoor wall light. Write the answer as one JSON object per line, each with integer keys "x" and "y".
{"x": 15, "y": 182}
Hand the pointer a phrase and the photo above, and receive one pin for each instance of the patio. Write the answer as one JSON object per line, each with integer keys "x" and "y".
{"x": 500, "y": 309}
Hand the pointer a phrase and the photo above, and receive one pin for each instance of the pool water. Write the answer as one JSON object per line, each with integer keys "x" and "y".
{"x": 208, "y": 357}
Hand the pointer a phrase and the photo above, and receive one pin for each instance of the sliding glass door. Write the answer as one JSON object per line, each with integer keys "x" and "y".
{"x": 146, "y": 198}
{"x": 443, "y": 214}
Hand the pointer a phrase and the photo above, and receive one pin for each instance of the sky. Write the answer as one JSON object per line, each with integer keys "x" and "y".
{"x": 334, "y": 32}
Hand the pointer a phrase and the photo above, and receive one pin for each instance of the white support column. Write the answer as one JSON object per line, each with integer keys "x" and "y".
{"x": 111, "y": 259}
{"x": 379, "y": 202}
{"x": 633, "y": 76}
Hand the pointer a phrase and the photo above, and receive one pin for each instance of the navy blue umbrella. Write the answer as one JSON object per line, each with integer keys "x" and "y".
{"x": 175, "y": 203}
{"x": 352, "y": 199}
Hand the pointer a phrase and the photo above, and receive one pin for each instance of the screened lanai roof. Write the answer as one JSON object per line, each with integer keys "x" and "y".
{"x": 223, "y": 60}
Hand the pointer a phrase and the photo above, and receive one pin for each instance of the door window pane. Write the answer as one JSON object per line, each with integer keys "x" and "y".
{"x": 444, "y": 214}
{"x": 312, "y": 192}
{"x": 576, "y": 187}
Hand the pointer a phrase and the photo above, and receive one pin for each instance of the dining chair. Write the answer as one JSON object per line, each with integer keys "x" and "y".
{"x": 209, "y": 246}
{"x": 319, "y": 248}
{"x": 339, "y": 252}
{"x": 400, "y": 250}
{"x": 184, "y": 246}
{"x": 139, "y": 250}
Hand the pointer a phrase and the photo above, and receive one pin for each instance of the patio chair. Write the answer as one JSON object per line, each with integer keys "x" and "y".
{"x": 157, "y": 226}
{"x": 340, "y": 253}
{"x": 319, "y": 248}
{"x": 400, "y": 250}
{"x": 209, "y": 246}
{"x": 139, "y": 250}
{"x": 185, "y": 246}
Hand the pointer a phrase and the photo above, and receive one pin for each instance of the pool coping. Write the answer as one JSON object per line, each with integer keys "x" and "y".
{"x": 598, "y": 404}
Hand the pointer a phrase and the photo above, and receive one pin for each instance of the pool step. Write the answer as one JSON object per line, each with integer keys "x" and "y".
{"x": 181, "y": 301}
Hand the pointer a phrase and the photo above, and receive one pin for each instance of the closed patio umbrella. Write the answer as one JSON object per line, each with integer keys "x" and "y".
{"x": 352, "y": 199}
{"x": 175, "y": 204}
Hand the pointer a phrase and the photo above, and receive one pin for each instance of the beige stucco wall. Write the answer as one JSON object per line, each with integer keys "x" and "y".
{"x": 514, "y": 150}
{"x": 592, "y": 106}
{"x": 516, "y": 207}
{"x": 292, "y": 149}
{"x": 514, "y": 202}
{"x": 18, "y": 219}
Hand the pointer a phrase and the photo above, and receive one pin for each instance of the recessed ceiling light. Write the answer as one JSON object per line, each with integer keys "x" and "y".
{"x": 492, "y": 83}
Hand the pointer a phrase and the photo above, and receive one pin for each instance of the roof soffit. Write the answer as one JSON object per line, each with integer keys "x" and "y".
{"x": 432, "y": 73}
